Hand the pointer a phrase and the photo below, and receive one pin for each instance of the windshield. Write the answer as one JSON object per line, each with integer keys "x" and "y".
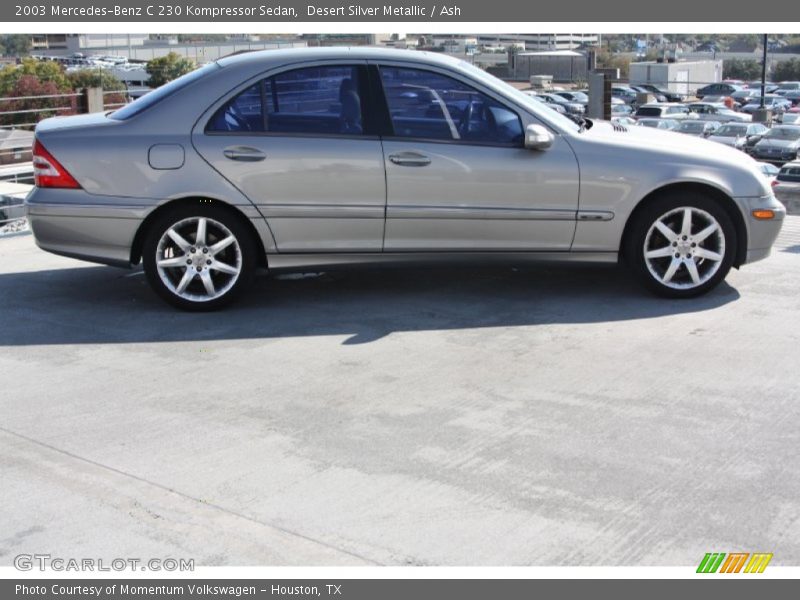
{"x": 784, "y": 133}
{"x": 730, "y": 131}
{"x": 158, "y": 94}
{"x": 520, "y": 97}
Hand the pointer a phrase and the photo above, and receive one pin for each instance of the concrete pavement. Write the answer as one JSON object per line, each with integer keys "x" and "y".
{"x": 546, "y": 416}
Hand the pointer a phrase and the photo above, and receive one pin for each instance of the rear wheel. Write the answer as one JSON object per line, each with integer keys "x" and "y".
{"x": 199, "y": 257}
{"x": 682, "y": 245}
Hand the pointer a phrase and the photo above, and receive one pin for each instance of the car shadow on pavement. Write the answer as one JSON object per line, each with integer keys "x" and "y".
{"x": 97, "y": 305}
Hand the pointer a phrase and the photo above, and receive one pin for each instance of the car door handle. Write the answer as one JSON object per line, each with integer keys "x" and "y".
{"x": 244, "y": 153}
{"x": 410, "y": 159}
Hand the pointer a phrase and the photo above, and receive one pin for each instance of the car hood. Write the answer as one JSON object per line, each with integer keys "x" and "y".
{"x": 659, "y": 141}
{"x": 775, "y": 143}
{"x": 676, "y": 153}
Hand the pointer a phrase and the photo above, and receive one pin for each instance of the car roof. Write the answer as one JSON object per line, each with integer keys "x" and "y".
{"x": 336, "y": 53}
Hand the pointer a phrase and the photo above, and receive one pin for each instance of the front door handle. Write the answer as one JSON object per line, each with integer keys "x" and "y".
{"x": 244, "y": 153}
{"x": 410, "y": 159}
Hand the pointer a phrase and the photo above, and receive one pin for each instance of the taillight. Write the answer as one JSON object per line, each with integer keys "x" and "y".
{"x": 48, "y": 172}
{"x": 775, "y": 182}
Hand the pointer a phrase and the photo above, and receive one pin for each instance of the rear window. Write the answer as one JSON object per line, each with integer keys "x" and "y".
{"x": 789, "y": 174}
{"x": 157, "y": 95}
{"x": 648, "y": 111}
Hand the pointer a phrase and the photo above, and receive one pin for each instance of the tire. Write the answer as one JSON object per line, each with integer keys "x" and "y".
{"x": 195, "y": 276}
{"x": 676, "y": 262}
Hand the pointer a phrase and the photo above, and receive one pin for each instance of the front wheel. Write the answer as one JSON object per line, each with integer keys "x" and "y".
{"x": 199, "y": 257}
{"x": 682, "y": 245}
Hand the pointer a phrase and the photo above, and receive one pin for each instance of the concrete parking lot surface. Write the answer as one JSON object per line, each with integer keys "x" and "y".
{"x": 541, "y": 416}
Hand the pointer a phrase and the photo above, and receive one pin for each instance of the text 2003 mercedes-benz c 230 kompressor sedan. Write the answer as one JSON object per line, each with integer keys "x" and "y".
{"x": 317, "y": 158}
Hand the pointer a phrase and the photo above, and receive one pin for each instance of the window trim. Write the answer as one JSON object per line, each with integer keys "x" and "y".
{"x": 390, "y": 135}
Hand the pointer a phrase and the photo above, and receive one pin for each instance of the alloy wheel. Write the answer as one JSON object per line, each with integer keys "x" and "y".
{"x": 198, "y": 259}
{"x": 684, "y": 248}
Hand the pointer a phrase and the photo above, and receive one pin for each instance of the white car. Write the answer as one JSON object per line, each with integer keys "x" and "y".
{"x": 787, "y": 185}
{"x": 737, "y": 135}
{"x": 709, "y": 111}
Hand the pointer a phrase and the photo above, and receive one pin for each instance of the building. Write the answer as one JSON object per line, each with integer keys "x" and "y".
{"x": 73, "y": 42}
{"x": 682, "y": 77}
{"x": 562, "y": 65}
{"x": 541, "y": 41}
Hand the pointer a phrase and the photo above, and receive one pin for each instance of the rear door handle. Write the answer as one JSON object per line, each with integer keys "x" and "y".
{"x": 410, "y": 159}
{"x": 244, "y": 153}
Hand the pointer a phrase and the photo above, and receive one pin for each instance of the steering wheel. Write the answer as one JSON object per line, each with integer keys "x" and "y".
{"x": 464, "y": 124}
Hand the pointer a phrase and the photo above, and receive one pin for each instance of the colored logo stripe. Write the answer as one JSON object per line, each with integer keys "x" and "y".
{"x": 711, "y": 562}
{"x": 735, "y": 561}
{"x": 758, "y": 563}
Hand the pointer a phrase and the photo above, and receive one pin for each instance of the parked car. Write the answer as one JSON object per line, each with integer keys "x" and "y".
{"x": 574, "y": 96}
{"x": 792, "y": 96}
{"x": 698, "y": 127}
{"x": 777, "y": 104}
{"x": 739, "y": 135}
{"x": 556, "y": 107}
{"x": 717, "y": 112}
{"x": 626, "y": 121}
{"x": 744, "y": 96}
{"x": 787, "y": 185}
{"x": 621, "y": 109}
{"x": 669, "y": 95}
{"x": 663, "y": 110}
{"x": 391, "y": 157}
{"x": 659, "y": 97}
{"x": 718, "y": 89}
{"x": 574, "y": 108}
{"x": 755, "y": 86}
{"x": 787, "y": 86}
{"x": 624, "y": 93}
{"x": 770, "y": 171}
{"x": 669, "y": 124}
{"x": 789, "y": 118}
{"x": 780, "y": 144}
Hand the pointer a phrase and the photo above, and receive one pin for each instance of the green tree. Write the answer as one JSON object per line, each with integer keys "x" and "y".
{"x": 15, "y": 45}
{"x": 608, "y": 60}
{"x": 44, "y": 71}
{"x": 787, "y": 70}
{"x": 166, "y": 68}
{"x": 741, "y": 68}
{"x": 84, "y": 78}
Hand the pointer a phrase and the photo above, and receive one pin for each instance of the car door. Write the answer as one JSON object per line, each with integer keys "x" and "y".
{"x": 300, "y": 145}
{"x": 458, "y": 177}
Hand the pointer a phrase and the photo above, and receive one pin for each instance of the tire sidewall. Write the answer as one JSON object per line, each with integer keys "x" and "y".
{"x": 225, "y": 216}
{"x": 634, "y": 250}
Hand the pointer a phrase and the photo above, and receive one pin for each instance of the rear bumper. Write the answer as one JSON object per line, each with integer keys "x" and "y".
{"x": 80, "y": 225}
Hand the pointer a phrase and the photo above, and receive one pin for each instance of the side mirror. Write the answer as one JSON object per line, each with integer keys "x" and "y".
{"x": 538, "y": 137}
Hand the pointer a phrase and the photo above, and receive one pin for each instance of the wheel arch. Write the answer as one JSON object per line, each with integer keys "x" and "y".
{"x": 141, "y": 232}
{"x": 728, "y": 203}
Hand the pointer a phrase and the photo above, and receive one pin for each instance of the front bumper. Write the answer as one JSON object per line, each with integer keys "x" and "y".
{"x": 80, "y": 225}
{"x": 761, "y": 234}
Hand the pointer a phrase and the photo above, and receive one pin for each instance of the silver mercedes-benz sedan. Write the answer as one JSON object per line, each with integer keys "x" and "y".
{"x": 320, "y": 158}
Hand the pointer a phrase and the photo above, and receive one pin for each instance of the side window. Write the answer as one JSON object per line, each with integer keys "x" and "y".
{"x": 427, "y": 105}
{"x": 242, "y": 113}
{"x": 314, "y": 100}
